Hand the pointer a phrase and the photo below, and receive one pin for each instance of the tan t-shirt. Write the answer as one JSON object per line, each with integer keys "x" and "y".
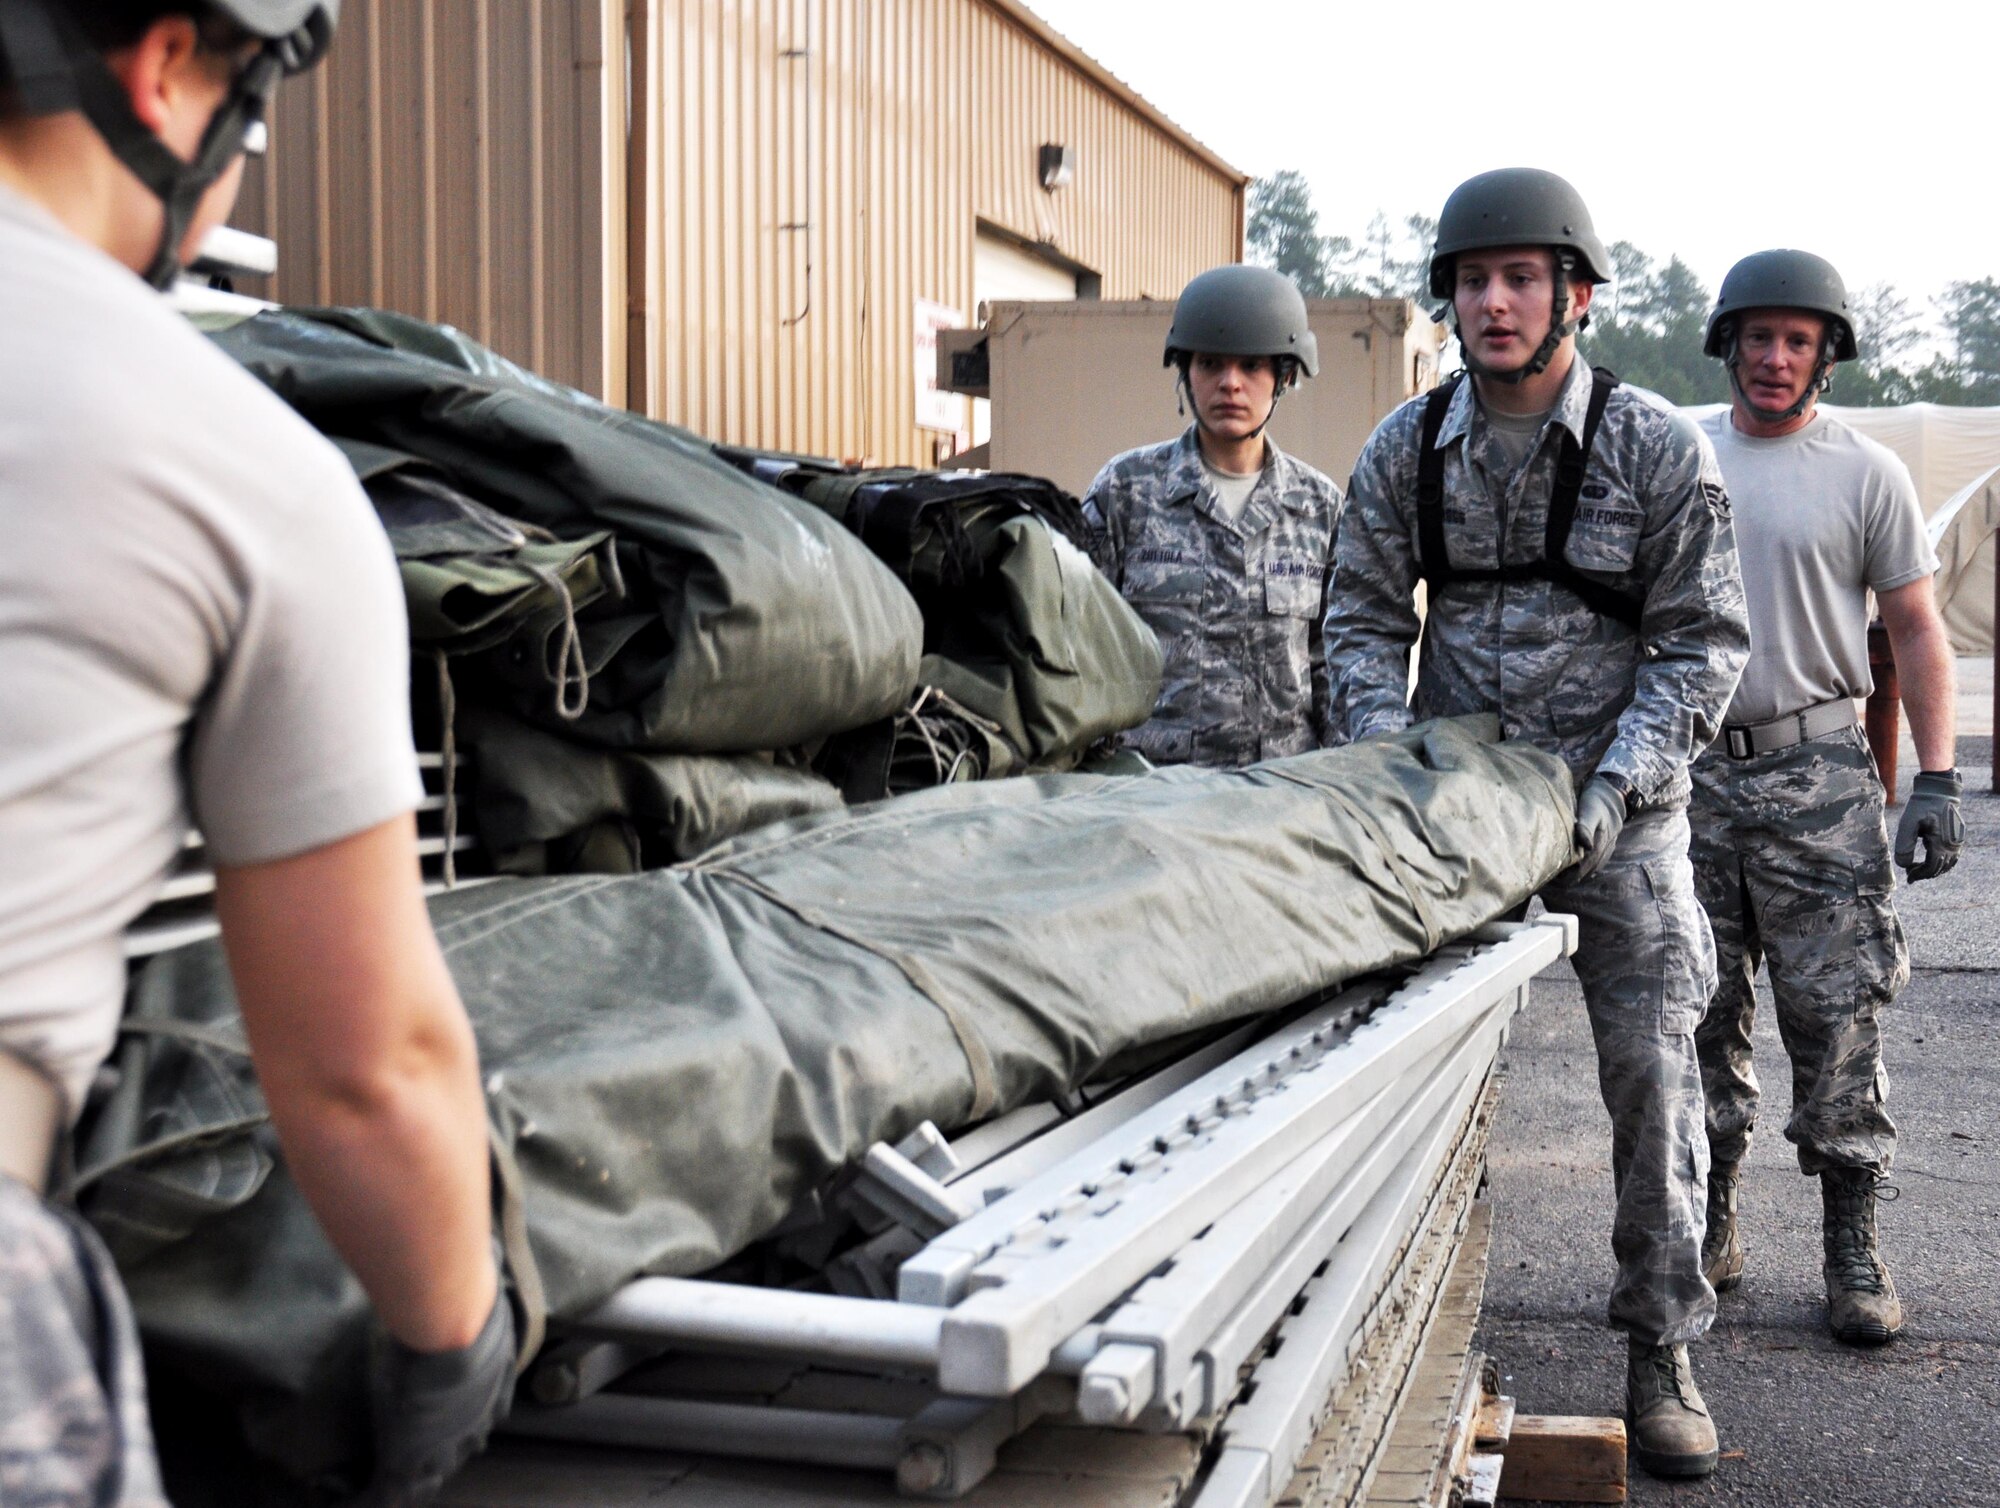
{"x": 1231, "y": 489}
{"x": 1823, "y": 516}
{"x": 1515, "y": 432}
{"x": 199, "y": 620}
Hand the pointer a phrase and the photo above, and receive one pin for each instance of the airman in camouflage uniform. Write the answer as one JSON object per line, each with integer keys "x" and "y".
{"x": 1791, "y": 852}
{"x": 1236, "y": 603}
{"x": 1627, "y": 689}
{"x": 1235, "y": 593}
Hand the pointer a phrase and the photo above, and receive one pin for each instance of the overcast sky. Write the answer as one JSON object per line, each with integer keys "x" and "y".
{"x": 1867, "y": 133}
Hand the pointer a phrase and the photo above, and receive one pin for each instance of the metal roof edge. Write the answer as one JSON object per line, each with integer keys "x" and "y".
{"x": 1019, "y": 13}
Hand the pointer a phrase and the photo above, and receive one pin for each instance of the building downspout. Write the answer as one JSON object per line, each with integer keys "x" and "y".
{"x": 640, "y": 124}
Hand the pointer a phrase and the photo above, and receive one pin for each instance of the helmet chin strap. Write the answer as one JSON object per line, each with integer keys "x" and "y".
{"x": 1560, "y": 329}
{"x": 56, "y": 67}
{"x": 1822, "y": 379}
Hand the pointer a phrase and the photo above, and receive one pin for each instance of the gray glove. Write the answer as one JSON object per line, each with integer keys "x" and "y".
{"x": 1932, "y": 814}
{"x": 434, "y": 1409}
{"x": 1600, "y": 818}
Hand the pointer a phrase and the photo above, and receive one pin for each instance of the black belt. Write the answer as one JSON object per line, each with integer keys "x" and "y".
{"x": 32, "y": 1117}
{"x": 1746, "y": 740}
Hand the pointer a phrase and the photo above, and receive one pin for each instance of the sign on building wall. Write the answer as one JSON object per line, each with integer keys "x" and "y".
{"x": 936, "y": 409}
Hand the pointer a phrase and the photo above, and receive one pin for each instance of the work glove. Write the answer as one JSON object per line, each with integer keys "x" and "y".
{"x": 1932, "y": 814}
{"x": 434, "y": 1409}
{"x": 1600, "y": 818}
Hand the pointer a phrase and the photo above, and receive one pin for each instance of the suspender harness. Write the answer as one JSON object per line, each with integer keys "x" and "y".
{"x": 1435, "y": 564}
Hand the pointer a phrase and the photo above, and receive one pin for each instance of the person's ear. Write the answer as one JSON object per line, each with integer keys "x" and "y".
{"x": 156, "y": 69}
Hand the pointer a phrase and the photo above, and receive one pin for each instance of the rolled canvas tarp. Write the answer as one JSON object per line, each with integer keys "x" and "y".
{"x": 675, "y": 1058}
{"x": 546, "y": 805}
{"x": 747, "y": 619}
{"x": 1019, "y": 627}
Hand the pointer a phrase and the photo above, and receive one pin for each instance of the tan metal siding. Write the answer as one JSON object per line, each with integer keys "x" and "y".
{"x": 910, "y": 122}
{"x": 468, "y": 160}
{"x": 451, "y": 160}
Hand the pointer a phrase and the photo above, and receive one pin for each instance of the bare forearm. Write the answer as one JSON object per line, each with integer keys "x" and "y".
{"x": 1928, "y": 676}
{"x": 368, "y": 1063}
{"x": 395, "y": 1167}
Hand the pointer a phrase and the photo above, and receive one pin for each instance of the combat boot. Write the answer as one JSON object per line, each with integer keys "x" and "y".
{"x": 1721, "y": 1251}
{"x": 1671, "y": 1433}
{"x": 1861, "y": 1304}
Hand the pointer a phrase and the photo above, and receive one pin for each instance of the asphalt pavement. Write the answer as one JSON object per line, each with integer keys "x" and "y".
{"x": 1804, "y": 1421}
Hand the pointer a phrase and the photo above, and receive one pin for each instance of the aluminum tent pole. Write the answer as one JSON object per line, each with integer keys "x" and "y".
{"x": 1265, "y": 1437}
{"x": 820, "y": 1436}
{"x": 1027, "y": 1272}
{"x": 1201, "y": 1318}
{"x": 768, "y": 1321}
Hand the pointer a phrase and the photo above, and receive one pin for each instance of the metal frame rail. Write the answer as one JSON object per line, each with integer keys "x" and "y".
{"x": 1126, "y": 1274}
{"x": 184, "y": 911}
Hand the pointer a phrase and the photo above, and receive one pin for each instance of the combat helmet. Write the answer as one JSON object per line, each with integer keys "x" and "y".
{"x": 1521, "y": 207}
{"x": 1240, "y": 310}
{"x": 1783, "y": 279}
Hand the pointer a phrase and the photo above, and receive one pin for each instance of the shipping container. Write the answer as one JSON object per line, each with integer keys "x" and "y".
{"x": 1072, "y": 385}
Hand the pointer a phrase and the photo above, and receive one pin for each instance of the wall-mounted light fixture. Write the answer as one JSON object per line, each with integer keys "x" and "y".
{"x": 1056, "y": 165}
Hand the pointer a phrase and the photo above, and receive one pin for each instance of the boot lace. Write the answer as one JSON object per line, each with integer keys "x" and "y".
{"x": 1667, "y": 1374}
{"x": 1850, "y": 1253}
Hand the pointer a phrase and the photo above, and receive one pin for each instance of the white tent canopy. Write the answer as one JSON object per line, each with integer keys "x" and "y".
{"x": 1966, "y": 535}
{"x": 1944, "y": 447}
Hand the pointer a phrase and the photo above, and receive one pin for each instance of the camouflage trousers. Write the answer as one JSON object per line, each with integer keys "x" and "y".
{"x": 1792, "y": 864}
{"x": 1647, "y": 966}
{"x": 74, "y": 1432}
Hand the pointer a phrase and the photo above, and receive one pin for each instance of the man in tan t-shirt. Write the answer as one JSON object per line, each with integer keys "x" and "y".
{"x": 201, "y": 621}
{"x": 1790, "y": 849}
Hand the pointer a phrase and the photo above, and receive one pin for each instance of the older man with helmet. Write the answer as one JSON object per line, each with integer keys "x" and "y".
{"x": 1574, "y": 537}
{"x": 1791, "y": 851}
{"x": 1220, "y": 540}
{"x": 201, "y": 621}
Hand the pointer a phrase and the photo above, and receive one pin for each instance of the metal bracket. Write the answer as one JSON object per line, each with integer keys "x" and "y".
{"x": 891, "y": 1188}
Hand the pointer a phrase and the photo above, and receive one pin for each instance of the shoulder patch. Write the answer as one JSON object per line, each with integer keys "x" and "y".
{"x": 1717, "y": 498}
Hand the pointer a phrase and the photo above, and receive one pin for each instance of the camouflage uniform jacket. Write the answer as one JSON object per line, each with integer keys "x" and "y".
{"x": 1652, "y": 522}
{"x": 1237, "y": 606}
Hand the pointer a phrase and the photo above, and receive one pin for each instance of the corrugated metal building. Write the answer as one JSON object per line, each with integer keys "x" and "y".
{"x": 745, "y": 216}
